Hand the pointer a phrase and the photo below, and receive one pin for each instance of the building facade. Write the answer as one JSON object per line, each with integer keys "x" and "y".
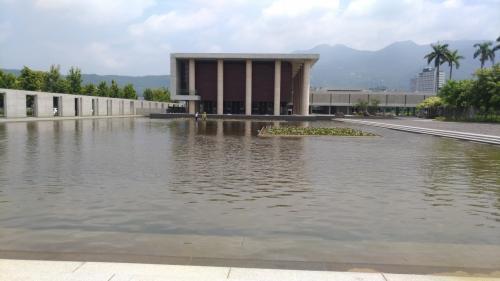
{"x": 273, "y": 84}
{"x": 332, "y": 101}
{"x": 426, "y": 80}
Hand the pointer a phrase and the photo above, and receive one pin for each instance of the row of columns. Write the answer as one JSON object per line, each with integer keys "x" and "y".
{"x": 248, "y": 87}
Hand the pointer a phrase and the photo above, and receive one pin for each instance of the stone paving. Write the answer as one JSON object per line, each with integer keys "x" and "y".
{"x": 27, "y": 270}
{"x": 468, "y": 127}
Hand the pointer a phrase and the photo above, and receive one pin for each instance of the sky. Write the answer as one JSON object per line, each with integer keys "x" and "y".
{"x": 136, "y": 37}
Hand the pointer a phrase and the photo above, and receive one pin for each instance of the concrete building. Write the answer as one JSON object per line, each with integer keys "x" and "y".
{"x": 425, "y": 81}
{"x": 273, "y": 84}
{"x": 331, "y": 101}
{"x": 20, "y": 104}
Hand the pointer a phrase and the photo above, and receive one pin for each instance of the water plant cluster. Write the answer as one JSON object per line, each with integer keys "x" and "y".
{"x": 311, "y": 131}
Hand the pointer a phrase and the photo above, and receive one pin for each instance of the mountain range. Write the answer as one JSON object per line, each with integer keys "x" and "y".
{"x": 343, "y": 67}
{"x": 393, "y": 66}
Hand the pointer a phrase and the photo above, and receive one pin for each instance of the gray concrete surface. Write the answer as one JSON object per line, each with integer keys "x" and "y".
{"x": 467, "y": 127}
{"x": 16, "y": 270}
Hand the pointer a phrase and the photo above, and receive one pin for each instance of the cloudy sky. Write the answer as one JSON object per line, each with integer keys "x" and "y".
{"x": 135, "y": 37}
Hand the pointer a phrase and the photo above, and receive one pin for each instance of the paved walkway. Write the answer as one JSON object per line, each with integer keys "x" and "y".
{"x": 468, "y": 127}
{"x": 456, "y": 134}
{"x": 24, "y": 270}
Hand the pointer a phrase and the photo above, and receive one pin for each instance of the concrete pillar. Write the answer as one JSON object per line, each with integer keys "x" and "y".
{"x": 277, "y": 87}
{"x": 86, "y": 106}
{"x": 102, "y": 107}
{"x": 44, "y": 105}
{"x": 14, "y": 104}
{"x": 305, "y": 88}
{"x": 220, "y": 87}
{"x": 192, "y": 79}
{"x": 68, "y": 105}
{"x": 248, "y": 88}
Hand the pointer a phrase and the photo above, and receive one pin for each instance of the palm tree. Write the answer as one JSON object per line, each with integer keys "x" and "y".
{"x": 438, "y": 55}
{"x": 484, "y": 52}
{"x": 453, "y": 58}
{"x": 497, "y": 47}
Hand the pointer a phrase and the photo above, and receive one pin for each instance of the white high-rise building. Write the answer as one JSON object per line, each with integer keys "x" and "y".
{"x": 426, "y": 80}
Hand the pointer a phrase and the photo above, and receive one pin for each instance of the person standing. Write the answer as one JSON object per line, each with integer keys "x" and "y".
{"x": 196, "y": 116}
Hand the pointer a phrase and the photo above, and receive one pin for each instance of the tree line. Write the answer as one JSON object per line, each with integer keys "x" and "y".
{"x": 53, "y": 81}
{"x": 481, "y": 93}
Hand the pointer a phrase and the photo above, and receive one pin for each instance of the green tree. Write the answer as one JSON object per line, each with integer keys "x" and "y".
{"x": 457, "y": 93}
{"x": 89, "y": 90}
{"x": 129, "y": 92}
{"x": 484, "y": 52}
{"x": 102, "y": 89}
{"x": 30, "y": 80}
{"x": 161, "y": 94}
{"x": 453, "y": 58}
{"x": 75, "y": 80}
{"x": 8, "y": 80}
{"x": 53, "y": 81}
{"x": 148, "y": 94}
{"x": 497, "y": 47}
{"x": 114, "y": 90}
{"x": 486, "y": 89}
{"x": 438, "y": 55}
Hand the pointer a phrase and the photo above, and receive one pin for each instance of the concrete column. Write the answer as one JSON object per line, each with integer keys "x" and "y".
{"x": 68, "y": 106}
{"x": 248, "y": 88}
{"x": 86, "y": 106}
{"x": 220, "y": 87}
{"x": 305, "y": 88}
{"x": 277, "y": 87}
{"x": 14, "y": 104}
{"x": 44, "y": 105}
{"x": 192, "y": 79}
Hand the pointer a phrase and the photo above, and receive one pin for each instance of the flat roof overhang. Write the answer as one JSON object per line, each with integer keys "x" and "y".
{"x": 247, "y": 56}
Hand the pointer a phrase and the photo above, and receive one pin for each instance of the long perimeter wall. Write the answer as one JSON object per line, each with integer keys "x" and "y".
{"x": 15, "y": 105}
{"x": 351, "y": 98}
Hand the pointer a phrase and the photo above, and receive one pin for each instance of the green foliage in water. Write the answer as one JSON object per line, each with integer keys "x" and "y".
{"x": 309, "y": 131}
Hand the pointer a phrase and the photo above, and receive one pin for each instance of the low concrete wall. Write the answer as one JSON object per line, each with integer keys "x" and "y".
{"x": 15, "y": 105}
{"x": 351, "y": 98}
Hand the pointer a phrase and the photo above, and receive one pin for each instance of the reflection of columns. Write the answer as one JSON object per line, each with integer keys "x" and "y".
{"x": 277, "y": 87}
{"x": 191, "y": 85}
{"x": 248, "y": 128}
{"x": 305, "y": 88}
{"x": 220, "y": 129}
{"x": 220, "y": 87}
{"x": 248, "y": 88}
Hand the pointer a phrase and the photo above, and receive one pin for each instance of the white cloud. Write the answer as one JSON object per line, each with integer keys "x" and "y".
{"x": 96, "y": 11}
{"x": 295, "y": 8}
{"x": 5, "y": 31}
{"x": 173, "y": 21}
{"x": 137, "y": 36}
{"x": 104, "y": 55}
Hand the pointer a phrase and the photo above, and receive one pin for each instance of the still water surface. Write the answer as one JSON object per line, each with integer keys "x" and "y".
{"x": 219, "y": 178}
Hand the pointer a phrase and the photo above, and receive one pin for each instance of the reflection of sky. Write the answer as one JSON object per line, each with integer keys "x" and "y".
{"x": 219, "y": 178}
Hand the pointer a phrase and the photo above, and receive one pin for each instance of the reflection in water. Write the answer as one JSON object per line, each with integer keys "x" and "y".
{"x": 218, "y": 177}
{"x": 223, "y": 161}
{"x": 456, "y": 167}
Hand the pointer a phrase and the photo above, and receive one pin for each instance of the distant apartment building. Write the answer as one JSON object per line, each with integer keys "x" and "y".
{"x": 425, "y": 81}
